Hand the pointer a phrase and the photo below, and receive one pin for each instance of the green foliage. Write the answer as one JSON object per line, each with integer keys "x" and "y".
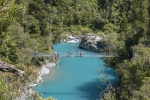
{"x": 130, "y": 45}
{"x": 36, "y": 96}
{"x": 3, "y": 90}
{"x": 33, "y": 25}
{"x": 36, "y": 61}
{"x": 17, "y": 42}
{"x": 12, "y": 85}
{"x": 8, "y": 50}
{"x": 144, "y": 90}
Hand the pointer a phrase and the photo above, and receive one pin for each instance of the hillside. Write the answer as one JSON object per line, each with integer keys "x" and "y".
{"x": 27, "y": 26}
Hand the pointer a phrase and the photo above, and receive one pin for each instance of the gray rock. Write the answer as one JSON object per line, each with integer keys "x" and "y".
{"x": 92, "y": 42}
{"x": 5, "y": 67}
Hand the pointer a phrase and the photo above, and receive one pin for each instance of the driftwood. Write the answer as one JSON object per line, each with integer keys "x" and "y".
{"x": 5, "y": 67}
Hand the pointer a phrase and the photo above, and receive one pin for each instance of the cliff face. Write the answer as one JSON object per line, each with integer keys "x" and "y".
{"x": 92, "y": 42}
{"x": 5, "y": 67}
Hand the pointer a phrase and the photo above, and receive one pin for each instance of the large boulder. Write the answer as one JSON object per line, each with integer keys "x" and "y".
{"x": 91, "y": 42}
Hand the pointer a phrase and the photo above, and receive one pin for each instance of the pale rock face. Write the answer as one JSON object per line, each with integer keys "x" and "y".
{"x": 91, "y": 42}
{"x": 72, "y": 39}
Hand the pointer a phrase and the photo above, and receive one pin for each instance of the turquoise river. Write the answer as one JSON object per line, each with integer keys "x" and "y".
{"x": 75, "y": 78}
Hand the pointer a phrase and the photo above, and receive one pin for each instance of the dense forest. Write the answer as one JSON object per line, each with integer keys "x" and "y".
{"x": 30, "y": 25}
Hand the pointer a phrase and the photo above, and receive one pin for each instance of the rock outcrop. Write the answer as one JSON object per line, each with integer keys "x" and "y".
{"x": 5, "y": 67}
{"x": 92, "y": 42}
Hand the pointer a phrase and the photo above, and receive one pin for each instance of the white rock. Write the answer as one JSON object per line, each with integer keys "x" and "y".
{"x": 45, "y": 70}
{"x": 73, "y": 41}
{"x": 50, "y": 65}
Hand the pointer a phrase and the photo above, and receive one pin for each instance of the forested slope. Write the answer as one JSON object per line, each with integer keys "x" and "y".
{"x": 29, "y": 25}
{"x": 131, "y": 44}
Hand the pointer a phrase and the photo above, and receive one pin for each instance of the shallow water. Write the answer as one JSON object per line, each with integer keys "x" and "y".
{"x": 75, "y": 78}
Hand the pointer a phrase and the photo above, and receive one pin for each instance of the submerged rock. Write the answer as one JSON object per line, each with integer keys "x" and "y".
{"x": 92, "y": 42}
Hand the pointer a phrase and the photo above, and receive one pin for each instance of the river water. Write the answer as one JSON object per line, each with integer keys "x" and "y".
{"x": 75, "y": 78}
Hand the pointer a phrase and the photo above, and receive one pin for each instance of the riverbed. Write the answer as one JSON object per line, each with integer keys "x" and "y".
{"x": 75, "y": 78}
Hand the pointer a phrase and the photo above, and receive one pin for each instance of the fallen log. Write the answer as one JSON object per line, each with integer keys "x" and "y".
{"x": 5, "y": 67}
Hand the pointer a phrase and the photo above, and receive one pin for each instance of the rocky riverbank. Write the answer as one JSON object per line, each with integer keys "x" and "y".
{"x": 45, "y": 71}
{"x": 91, "y": 42}
{"x": 71, "y": 38}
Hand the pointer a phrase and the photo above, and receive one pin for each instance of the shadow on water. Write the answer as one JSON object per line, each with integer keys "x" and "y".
{"x": 92, "y": 90}
{"x": 109, "y": 71}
